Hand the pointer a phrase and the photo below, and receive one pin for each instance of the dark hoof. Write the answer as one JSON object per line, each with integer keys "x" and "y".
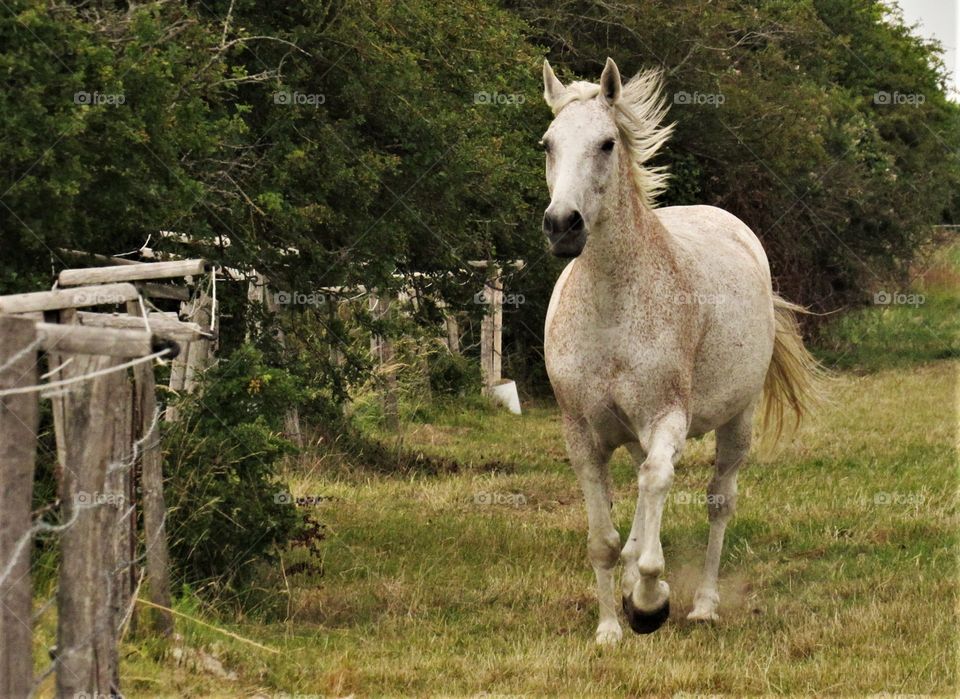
{"x": 645, "y": 622}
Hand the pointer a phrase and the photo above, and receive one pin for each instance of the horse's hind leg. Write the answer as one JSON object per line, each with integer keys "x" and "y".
{"x": 589, "y": 461}
{"x": 733, "y": 443}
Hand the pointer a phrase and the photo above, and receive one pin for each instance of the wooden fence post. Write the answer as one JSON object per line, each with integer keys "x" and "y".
{"x": 491, "y": 330}
{"x": 119, "y": 549}
{"x": 19, "y": 416}
{"x": 86, "y": 636}
{"x": 337, "y": 357}
{"x": 382, "y": 350}
{"x": 198, "y": 354}
{"x": 258, "y": 291}
{"x": 453, "y": 334}
{"x": 178, "y": 382}
{"x": 147, "y": 431}
{"x": 54, "y": 360}
{"x": 193, "y": 357}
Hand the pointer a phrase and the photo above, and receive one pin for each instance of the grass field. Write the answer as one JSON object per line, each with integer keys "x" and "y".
{"x": 839, "y": 573}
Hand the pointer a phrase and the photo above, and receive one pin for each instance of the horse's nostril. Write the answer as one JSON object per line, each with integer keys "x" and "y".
{"x": 575, "y": 222}
{"x": 549, "y": 224}
{"x": 554, "y": 225}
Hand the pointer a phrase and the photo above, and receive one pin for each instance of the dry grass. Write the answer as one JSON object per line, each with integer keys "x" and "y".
{"x": 839, "y": 574}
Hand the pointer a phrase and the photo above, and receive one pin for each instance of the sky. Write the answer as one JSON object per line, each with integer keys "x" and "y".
{"x": 939, "y": 19}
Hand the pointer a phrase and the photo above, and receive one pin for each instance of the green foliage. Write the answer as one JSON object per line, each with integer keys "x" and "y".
{"x": 223, "y": 457}
{"x": 833, "y": 139}
{"x": 453, "y": 374}
{"x": 385, "y": 144}
{"x": 110, "y": 125}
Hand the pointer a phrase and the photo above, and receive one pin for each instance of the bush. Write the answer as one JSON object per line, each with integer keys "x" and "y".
{"x": 454, "y": 374}
{"x": 222, "y": 461}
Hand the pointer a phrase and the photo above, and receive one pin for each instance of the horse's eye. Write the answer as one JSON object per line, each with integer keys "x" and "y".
{"x": 607, "y": 145}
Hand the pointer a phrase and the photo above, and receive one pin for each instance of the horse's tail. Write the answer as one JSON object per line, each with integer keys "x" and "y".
{"x": 794, "y": 377}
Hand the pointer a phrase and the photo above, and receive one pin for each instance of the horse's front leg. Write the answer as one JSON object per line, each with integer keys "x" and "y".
{"x": 589, "y": 461}
{"x": 646, "y": 598}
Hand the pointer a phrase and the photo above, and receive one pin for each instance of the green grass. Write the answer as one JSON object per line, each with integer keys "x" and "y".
{"x": 918, "y": 324}
{"x": 839, "y": 573}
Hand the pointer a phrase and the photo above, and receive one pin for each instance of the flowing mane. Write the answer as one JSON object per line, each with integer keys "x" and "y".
{"x": 639, "y": 114}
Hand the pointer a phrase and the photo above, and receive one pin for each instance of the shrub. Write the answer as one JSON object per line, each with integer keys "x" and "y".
{"x": 225, "y": 513}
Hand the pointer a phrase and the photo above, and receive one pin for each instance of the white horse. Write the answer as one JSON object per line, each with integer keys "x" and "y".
{"x": 665, "y": 326}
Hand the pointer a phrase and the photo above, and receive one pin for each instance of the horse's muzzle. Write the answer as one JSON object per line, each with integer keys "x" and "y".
{"x": 567, "y": 234}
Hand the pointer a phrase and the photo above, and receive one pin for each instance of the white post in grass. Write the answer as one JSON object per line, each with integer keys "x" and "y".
{"x": 491, "y": 330}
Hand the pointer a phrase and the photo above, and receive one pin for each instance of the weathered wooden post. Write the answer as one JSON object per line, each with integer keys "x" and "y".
{"x": 119, "y": 551}
{"x": 144, "y": 273}
{"x": 147, "y": 432}
{"x": 86, "y": 638}
{"x": 178, "y": 382}
{"x": 491, "y": 330}
{"x": 186, "y": 367}
{"x": 88, "y": 591}
{"x": 19, "y": 416}
{"x": 258, "y": 291}
{"x": 198, "y": 354}
{"x": 337, "y": 357}
{"x": 453, "y": 333}
{"x": 382, "y": 350}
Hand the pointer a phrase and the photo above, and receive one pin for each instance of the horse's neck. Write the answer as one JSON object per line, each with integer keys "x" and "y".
{"x": 630, "y": 254}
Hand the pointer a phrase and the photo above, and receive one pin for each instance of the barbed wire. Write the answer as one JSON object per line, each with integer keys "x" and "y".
{"x": 85, "y": 377}
{"x": 32, "y": 347}
{"x": 105, "y": 613}
{"x": 39, "y": 527}
{"x": 136, "y": 446}
{"x": 57, "y": 368}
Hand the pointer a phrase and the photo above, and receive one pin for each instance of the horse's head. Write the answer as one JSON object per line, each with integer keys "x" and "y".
{"x": 582, "y": 155}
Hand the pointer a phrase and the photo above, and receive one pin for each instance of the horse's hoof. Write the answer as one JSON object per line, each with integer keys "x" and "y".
{"x": 645, "y": 622}
{"x": 703, "y": 617}
{"x": 609, "y": 636}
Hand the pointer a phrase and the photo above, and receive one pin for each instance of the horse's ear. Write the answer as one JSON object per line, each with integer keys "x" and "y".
{"x": 552, "y": 88}
{"x": 610, "y": 84}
